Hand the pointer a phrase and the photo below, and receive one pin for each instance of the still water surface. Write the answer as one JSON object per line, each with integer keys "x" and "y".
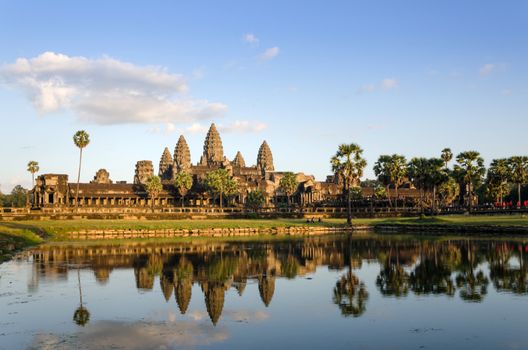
{"x": 331, "y": 292}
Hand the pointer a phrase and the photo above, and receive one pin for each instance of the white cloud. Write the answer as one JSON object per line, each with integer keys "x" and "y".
{"x": 106, "y": 90}
{"x": 487, "y": 69}
{"x": 251, "y": 39}
{"x": 507, "y": 92}
{"x": 385, "y": 84}
{"x": 270, "y": 53}
{"x": 389, "y": 83}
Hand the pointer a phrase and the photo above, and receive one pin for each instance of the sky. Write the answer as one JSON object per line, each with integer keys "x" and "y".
{"x": 407, "y": 77}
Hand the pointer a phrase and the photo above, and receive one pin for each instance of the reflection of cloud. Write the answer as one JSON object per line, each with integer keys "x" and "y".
{"x": 135, "y": 335}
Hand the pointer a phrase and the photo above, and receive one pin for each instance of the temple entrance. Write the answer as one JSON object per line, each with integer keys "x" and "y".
{"x": 51, "y": 197}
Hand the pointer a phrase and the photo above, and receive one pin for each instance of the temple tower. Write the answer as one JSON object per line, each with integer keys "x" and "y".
{"x": 265, "y": 158}
{"x": 239, "y": 161}
{"x": 144, "y": 170}
{"x": 182, "y": 156}
{"x": 213, "y": 153}
{"x": 101, "y": 177}
{"x": 165, "y": 165}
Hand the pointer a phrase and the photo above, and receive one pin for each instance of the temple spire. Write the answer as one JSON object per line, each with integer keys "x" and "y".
{"x": 165, "y": 165}
{"x": 265, "y": 158}
{"x": 213, "y": 151}
{"x": 239, "y": 160}
{"x": 182, "y": 155}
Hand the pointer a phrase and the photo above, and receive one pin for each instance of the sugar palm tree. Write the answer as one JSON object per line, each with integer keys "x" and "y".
{"x": 153, "y": 187}
{"x": 183, "y": 182}
{"x": 397, "y": 172}
{"x": 470, "y": 169}
{"x": 418, "y": 170}
{"x": 348, "y": 164}
{"x": 81, "y": 139}
{"x": 446, "y": 156}
{"x": 519, "y": 173}
{"x": 288, "y": 184}
{"x": 497, "y": 178}
{"x": 382, "y": 172}
{"x": 33, "y": 167}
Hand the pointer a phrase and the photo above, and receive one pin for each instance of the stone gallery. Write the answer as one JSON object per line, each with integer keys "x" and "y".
{"x": 54, "y": 190}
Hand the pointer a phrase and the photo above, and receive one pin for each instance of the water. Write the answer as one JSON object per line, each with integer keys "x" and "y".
{"x": 333, "y": 292}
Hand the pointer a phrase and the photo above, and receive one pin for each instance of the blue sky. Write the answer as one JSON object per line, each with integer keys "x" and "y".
{"x": 409, "y": 77}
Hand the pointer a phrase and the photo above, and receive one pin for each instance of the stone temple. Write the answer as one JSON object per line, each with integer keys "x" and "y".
{"x": 54, "y": 190}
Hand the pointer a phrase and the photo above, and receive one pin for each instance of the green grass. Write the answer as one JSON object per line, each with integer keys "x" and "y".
{"x": 14, "y": 238}
{"x": 32, "y": 232}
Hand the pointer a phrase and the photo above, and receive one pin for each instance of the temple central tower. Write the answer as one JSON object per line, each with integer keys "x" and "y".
{"x": 213, "y": 153}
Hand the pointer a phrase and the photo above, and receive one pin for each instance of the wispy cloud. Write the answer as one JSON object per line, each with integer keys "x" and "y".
{"x": 269, "y": 54}
{"x": 106, "y": 90}
{"x": 238, "y": 126}
{"x": 385, "y": 84}
{"x": 251, "y": 38}
{"x": 487, "y": 69}
{"x": 507, "y": 92}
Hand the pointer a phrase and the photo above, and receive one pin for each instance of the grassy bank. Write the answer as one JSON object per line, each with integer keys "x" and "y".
{"x": 23, "y": 233}
{"x": 13, "y": 239}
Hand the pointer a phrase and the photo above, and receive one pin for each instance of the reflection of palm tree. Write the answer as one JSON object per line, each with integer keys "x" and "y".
{"x": 431, "y": 276}
{"x": 504, "y": 277}
{"x": 350, "y": 295}
{"x": 81, "y": 316}
{"x": 473, "y": 285}
{"x": 392, "y": 279}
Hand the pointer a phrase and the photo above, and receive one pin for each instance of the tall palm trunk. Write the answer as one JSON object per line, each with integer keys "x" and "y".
{"x": 349, "y": 208}
{"x": 434, "y": 199}
{"x": 388, "y": 196}
{"x": 519, "y": 194}
{"x": 397, "y": 196}
{"x": 221, "y": 199}
{"x": 78, "y": 180}
{"x": 470, "y": 202}
{"x": 182, "y": 201}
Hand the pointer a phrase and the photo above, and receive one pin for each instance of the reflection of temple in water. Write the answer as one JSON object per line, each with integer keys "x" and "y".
{"x": 417, "y": 266}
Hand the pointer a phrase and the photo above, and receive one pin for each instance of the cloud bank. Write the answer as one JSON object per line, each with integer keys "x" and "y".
{"x": 106, "y": 90}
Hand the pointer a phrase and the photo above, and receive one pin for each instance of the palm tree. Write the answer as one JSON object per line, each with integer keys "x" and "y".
{"x": 220, "y": 182}
{"x": 470, "y": 169}
{"x": 397, "y": 172}
{"x": 382, "y": 172}
{"x": 519, "y": 173}
{"x": 33, "y": 167}
{"x": 446, "y": 156}
{"x": 288, "y": 184}
{"x": 153, "y": 187}
{"x": 81, "y": 139}
{"x": 183, "y": 182}
{"x": 418, "y": 170}
{"x": 348, "y": 164}
{"x": 436, "y": 177}
{"x": 497, "y": 178}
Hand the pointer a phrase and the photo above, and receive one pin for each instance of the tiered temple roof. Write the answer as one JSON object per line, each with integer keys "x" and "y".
{"x": 239, "y": 160}
{"x": 182, "y": 155}
{"x": 265, "y": 158}
{"x": 165, "y": 165}
{"x": 213, "y": 153}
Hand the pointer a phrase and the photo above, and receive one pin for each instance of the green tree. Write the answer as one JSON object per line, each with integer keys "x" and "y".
{"x": 348, "y": 164}
{"x": 81, "y": 139}
{"x": 183, "y": 182}
{"x": 519, "y": 174}
{"x": 288, "y": 184}
{"x": 255, "y": 200}
{"x": 17, "y": 198}
{"x": 382, "y": 172}
{"x": 418, "y": 171}
{"x": 437, "y": 175}
{"x": 380, "y": 192}
{"x": 446, "y": 156}
{"x": 153, "y": 187}
{"x": 33, "y": 167}
{"x": 350, "y": 295}
{"x": 497, "y": 179}
{"x": 448, "y": 191}
{"x": 218, "y": 182}
{"x": 470, "y": 170}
